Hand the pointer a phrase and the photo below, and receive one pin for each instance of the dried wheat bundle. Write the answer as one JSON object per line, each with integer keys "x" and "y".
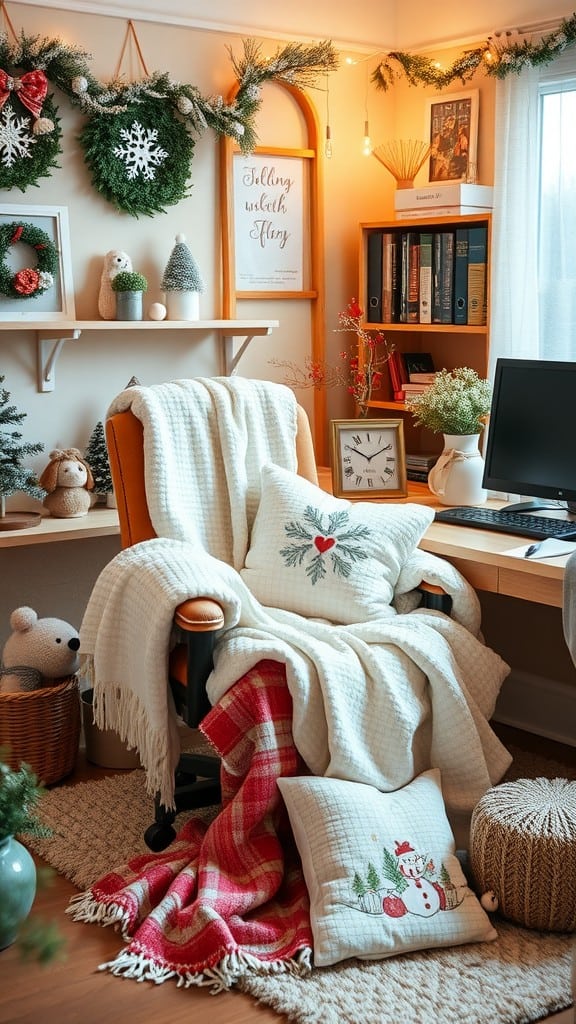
{"x": 403, "y": 158}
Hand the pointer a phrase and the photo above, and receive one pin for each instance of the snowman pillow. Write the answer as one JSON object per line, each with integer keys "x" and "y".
{"x": 381, "y": 869}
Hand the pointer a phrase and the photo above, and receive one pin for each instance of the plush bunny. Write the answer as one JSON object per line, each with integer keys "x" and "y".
{"x": 68, "y": 480}
{"x": 37, "y": 651}
{"x": 114, "y": 262}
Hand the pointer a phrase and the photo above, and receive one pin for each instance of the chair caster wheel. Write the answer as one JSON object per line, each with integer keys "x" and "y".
{"x": 158, "y": 837}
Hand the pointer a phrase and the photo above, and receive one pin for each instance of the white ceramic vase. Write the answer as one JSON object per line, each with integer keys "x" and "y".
{"x": 182, "y": 305}
{"x": 456, "y": 479}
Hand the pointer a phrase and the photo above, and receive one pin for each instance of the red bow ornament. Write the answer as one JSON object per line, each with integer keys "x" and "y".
{"x": 31, "y": 90}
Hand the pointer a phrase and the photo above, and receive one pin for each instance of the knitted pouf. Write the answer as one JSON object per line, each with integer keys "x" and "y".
{"x": 523, "y": 848}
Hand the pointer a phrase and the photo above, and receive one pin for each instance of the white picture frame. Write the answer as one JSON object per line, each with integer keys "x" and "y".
{"x": 451, "y": 128}
{"x": 56, "y": 304}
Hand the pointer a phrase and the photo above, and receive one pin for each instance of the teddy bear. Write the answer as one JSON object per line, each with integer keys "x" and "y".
{"x": 68, "y": 480}
{"x": 114, "y": 262}
{"x": 37, "y": 651}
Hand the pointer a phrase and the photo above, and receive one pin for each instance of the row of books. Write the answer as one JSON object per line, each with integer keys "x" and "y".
{"x": 411, "y": 373}
{"x": 427, "y": 277}
{"x": 419, "y": 464}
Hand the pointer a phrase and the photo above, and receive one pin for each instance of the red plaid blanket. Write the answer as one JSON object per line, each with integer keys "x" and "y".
{"x": 228, "y": 897}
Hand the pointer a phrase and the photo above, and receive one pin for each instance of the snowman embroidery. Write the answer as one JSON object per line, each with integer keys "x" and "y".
{"x": 422, "y": 894}
{"x": 406, "y": 882}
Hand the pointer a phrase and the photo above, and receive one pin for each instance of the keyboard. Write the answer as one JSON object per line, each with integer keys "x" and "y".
{"x": 521, "y": 523}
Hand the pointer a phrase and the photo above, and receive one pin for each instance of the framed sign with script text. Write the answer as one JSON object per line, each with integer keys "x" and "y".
{"x": 270, "y": 204}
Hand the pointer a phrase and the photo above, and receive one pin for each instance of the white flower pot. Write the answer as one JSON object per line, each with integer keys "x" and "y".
{"x": 182, "y": 305}
{"x": 456, "y": 479}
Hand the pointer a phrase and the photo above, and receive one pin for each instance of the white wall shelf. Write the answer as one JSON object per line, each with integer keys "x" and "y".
{"x": 51, "y": 336}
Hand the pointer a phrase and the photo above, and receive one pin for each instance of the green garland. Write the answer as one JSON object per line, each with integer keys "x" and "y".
{"x": 495, "y": 59}
{"x": 139, "y": 186}
{"x": 30, "y": 281}
{"x": 67, "y": 67}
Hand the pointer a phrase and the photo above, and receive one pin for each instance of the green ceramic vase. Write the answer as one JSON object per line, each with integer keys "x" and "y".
{"x": 17, "y": 888}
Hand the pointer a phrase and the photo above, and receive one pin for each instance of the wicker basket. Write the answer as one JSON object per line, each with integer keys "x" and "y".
{"x": 42, "y": 728}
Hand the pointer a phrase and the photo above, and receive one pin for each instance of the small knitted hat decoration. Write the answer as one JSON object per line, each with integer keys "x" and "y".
{"x": 182, "y": 273}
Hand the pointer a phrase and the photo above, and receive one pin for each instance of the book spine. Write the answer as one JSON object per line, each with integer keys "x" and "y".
{"x": 417, "y": 476}
{"x": 425, "y": 310}
{"x": 374, "y": 278}
{"x": 477, "y": 273}
{"x": 447, "y": 278}
{"x": 413, "y": 295}
{"x": 387, "y": 281}
{"x": 461, "y": 276}
{"x": 395, "y": 279}
{"x": 436, "y": 264}
{"x": 404, "y": 277}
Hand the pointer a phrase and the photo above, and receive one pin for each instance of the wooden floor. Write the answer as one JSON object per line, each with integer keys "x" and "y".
{"x": 73, "y": 991}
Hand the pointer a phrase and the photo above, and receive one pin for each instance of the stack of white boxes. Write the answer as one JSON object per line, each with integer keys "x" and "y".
{"x": 443, "y": 199}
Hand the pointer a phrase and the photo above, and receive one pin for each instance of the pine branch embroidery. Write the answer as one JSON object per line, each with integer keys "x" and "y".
{"x": 337, "y": 544}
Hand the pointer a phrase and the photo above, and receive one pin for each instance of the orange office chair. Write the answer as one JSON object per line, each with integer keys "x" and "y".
{"x": 197, "y": 621}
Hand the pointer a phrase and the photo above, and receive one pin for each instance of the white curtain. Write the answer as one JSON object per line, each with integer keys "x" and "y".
{"x": 533, "y": 282}
{"x": 514, "y": 278}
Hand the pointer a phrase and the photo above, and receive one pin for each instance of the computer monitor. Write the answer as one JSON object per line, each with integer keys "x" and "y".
{"x": 531, "y": 446}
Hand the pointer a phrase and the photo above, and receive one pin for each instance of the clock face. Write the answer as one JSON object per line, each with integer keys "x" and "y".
{"x": 369, "y": 459}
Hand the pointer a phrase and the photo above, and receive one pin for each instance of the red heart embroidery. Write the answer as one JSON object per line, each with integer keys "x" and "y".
{"x": 324, "y": 543}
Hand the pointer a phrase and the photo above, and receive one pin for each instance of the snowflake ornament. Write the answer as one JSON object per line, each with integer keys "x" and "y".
{"x": 15, "y": 137}
{"x": 141, "y": 154}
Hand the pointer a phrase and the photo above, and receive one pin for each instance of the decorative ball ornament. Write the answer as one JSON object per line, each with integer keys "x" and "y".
{"x": 29, "y": 281}
{"x": 157, "y": 311}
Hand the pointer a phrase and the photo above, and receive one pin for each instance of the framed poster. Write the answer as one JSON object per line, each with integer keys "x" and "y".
{"x": 270, "y": 200}
{"x": 368, "y": 458}
{"x": 452, "y": 130}
{"x": 35, "y": 263}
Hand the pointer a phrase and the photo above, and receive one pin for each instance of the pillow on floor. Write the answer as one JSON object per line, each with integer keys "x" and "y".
{"x": 381, "y": 869}
{"x": 326, "y": 557}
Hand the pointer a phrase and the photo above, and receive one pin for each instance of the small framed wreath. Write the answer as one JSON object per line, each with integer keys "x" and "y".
{"x": 29, "y": 281}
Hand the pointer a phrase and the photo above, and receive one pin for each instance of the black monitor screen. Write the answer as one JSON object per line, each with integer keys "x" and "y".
{"x": 531, "y": 447}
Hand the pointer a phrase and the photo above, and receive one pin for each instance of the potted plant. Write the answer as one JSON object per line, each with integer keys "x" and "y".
{"x": 182, "y": 283}
{"x": 455, "y": 405}
{"x": 129, "y": 287}
{"x": 19, "y": 794}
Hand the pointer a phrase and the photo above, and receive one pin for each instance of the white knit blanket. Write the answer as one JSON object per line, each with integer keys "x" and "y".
{"x": 375, "y": 702}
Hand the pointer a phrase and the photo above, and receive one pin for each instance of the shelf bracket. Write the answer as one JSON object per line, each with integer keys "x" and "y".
{"x": 231, "y": 358}
{"x": 48, "y": 347}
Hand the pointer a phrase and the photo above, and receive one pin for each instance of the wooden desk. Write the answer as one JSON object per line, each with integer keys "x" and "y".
{"x": 480, "y": 555}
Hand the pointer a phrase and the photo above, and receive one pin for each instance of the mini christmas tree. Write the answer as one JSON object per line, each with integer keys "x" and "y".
{"x": 13, "y": 476}
{"x": 96, "y": 456}
{"x": 182, "y": 273}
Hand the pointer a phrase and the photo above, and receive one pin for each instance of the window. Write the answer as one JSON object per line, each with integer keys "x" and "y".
{"x": 557, "y": 220}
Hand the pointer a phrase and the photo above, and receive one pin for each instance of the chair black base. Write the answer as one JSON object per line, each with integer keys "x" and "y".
{"x": 197, "y": 784}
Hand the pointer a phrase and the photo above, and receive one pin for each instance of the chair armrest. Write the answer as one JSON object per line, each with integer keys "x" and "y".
{"x": 199, "y": 615}
{"x": 434, "y": 597}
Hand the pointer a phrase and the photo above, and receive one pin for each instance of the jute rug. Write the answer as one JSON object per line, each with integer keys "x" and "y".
{"x": 520, "y": 978}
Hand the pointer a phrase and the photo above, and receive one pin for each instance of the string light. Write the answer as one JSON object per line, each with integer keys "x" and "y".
{"x": 367, "y": 142}
{"x": 328, "y": 139}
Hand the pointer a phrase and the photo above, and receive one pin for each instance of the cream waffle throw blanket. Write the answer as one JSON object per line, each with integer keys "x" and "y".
{"x": 375, "y": 702}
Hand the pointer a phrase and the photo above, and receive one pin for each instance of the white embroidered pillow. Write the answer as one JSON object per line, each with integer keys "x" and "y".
{"x": 326, "y": 557}
{"x": 381, "y": 869}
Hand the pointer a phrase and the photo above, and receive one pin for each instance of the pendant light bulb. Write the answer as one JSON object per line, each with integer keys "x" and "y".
{"x": 367, "y": 142}
{"x": 328, "y": 143}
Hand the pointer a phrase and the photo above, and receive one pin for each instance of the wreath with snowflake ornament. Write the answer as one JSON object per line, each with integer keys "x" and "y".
{"x": 29, "y": 281}
{"x": 30, "y": 131}
{"x": 139, "y": 159}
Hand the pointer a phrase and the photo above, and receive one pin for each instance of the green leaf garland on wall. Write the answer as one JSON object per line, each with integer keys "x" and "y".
{"x": 497, "y": 58}
{"x": 140, "y": 158}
